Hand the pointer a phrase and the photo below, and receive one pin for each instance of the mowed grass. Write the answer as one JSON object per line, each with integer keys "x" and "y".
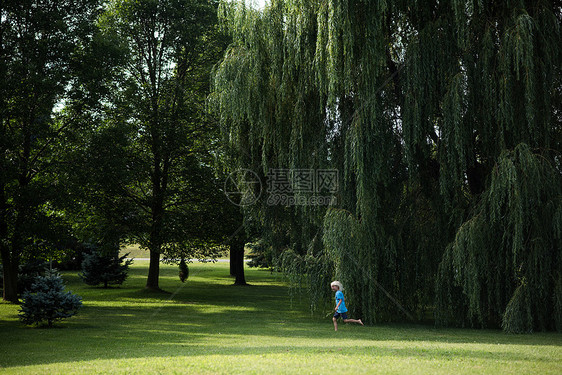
{"x": 134, "y": 251}
{"x": 208, "y": 326}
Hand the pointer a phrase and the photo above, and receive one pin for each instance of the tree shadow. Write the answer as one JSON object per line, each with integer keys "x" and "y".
{"x": 131, "y": 322}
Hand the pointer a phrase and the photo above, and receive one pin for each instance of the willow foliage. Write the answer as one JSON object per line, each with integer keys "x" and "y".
{"x": 441, "y": 118}
{"x": 507, "y": 257}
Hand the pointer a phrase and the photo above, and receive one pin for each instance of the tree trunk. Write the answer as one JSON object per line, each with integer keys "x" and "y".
{"x": 11, "y": 260}
{"x": 237, "y": 248}
{"x": 11, "y": 252}
{"x": 153, "y": 271}
{"x": 155, "y": 246}
{"x": 233, "y": 260}
{"x": 10, "y": 293}
{"x": 157, "y": 223}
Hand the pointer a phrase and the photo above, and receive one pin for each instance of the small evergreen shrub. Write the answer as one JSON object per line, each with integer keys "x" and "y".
{"x": 183, "y": 270}
{"x": 98, "y": 268}
{"x": 261, "y": 255}
{"x": 47, "y": 301}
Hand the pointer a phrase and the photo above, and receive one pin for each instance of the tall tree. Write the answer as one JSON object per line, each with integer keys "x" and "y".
{"x": 39, "y": 44}
{"x": 432, "y": 112}
{"x": 171, "y": 46}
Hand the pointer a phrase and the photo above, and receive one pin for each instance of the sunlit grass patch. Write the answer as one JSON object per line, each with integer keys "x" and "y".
{"x": 209, "y": 326}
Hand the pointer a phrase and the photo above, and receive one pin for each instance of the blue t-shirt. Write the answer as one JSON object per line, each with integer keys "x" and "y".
{"x": 339, "y": 297}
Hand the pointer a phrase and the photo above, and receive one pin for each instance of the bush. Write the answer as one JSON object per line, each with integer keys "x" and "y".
{"x": 47, "y": 301}
{"x": 183, "y": 270}
{"x": 98, "y": 268}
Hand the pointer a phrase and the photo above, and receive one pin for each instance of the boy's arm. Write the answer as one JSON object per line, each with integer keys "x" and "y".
{"x": 338, "y": 305}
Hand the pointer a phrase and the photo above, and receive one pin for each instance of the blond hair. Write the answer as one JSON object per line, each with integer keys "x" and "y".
{"x": 338, "y": 284}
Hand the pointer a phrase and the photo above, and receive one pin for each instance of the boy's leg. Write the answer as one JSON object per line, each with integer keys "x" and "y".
{"x": 335, "y": 323}
{"x": 353, "y": 321}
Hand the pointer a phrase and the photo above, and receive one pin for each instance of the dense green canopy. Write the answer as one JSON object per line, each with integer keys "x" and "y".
{"x": 444, "y": 122}
{"x": 104, "y": 137}
{"x": 43, "y": 48}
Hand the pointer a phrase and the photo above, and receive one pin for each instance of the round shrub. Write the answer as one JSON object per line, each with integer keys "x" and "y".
{"x": 47, "y": 301}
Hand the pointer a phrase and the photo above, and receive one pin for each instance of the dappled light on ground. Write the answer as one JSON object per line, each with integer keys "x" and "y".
{"x": 207, "y": 325}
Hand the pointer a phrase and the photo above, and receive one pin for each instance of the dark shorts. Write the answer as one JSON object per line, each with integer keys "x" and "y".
{"x": 343, "y": 315}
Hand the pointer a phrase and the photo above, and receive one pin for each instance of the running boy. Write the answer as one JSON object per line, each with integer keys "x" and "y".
{"x": 340, "y": 309}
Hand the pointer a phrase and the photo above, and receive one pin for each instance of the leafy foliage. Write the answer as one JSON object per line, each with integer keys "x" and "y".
{"x": 507, "y": 256}
{"x": 46, "y": 301}
{"x": 42, "y": 49}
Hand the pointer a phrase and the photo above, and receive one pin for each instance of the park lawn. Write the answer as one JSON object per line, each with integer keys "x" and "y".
{"x": 134, "y": 251}
{"x": 208, "y": 326}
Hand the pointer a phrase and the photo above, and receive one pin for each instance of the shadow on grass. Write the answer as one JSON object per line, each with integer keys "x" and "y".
{"x": 208, "y": 315}
{"x": 142, "y": 338}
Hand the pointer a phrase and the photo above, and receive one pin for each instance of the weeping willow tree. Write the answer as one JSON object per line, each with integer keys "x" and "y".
{"x": 502, "y": 131}
{"x": 266, "y": 101}
{"x": 434, "y": 113}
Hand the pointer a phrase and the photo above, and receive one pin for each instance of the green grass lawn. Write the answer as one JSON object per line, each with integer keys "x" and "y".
{"x": 134, "y": 251}
{"x": 208, "y": 326}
